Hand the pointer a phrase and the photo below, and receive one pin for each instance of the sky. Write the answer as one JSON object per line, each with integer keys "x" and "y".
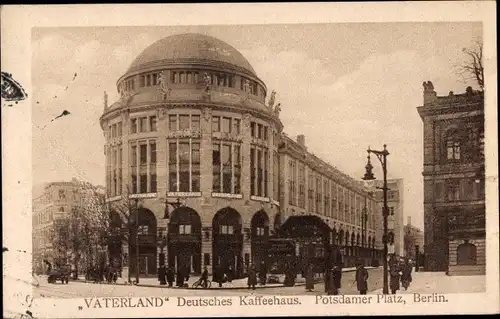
{"x": 344, "y": 86}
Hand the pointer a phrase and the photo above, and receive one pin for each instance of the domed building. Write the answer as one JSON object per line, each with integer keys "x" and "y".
{"x": 193, "y": 146}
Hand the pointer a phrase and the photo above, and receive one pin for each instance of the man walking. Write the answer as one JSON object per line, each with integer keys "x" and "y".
{"x": 406, "y": 270}
{"x": 252, "y": 277}
{"x": 170, "y": 276}
{"x": 361, "y": 278}
{"x": 309, "y": 278}
{"x": 394, "y": 270}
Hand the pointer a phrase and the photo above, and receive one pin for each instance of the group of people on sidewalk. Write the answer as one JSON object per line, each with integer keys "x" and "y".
{"x": 168, "y": 275}
{"x": 254, "y": 274}
{"x": 400, "y": 271}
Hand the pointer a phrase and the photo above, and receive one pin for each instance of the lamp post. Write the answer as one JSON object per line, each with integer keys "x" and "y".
{"x": 382, "y": 156}
{"x": 134, "y": 234}
{"x": 364, "y": 219}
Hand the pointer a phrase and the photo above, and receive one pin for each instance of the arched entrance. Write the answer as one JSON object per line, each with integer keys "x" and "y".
{"x": 146, "y": 237}
{"x": 259, "y": 227}
{"x": 312, "y": 237}
{"x": 184, "y": 240}
{"x": 115, "y": 240}
{"x": 466, "y": 254}
{"x": 341, "y": 237}
{"x": 227, "y": 243}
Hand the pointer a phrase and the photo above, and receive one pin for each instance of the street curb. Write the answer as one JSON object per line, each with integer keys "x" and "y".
{"x": 215, "y": 288}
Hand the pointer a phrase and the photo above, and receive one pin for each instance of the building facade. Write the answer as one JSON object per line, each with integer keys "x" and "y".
{"x": 192, "y": 124}
{"x": 312, "y": 187}
{"x": 193, "y": 146}
{"x": 413, "y": 240}
{"x": 49, "y": 207}
{"x": 51, "y": 210}
{"x": 454, "y": 191}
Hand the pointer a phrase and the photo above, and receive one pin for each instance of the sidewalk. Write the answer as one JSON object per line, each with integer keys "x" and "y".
{"x": 235, "y": 284}
{"x": 439, "y": 282}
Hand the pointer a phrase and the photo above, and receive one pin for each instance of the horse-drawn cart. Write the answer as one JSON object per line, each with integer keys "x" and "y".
{"x": 57, "y": 274}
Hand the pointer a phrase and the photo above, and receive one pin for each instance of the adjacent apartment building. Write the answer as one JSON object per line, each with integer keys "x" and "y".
{"x": 53, "y": 204}
{"x": 454, "y": 189}
{"x": 395, "y": 219}
{"x": 50, "y": 206}
{"x": 413, "y": 240}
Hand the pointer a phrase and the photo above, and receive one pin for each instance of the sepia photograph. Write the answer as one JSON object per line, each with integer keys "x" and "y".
{"x": 193, "y": 164}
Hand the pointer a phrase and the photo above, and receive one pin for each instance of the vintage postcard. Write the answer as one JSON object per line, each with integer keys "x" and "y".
{"x": 249, "y": 160}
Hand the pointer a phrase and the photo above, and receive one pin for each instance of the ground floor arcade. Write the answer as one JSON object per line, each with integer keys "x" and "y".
{"x": 183, "y": 242}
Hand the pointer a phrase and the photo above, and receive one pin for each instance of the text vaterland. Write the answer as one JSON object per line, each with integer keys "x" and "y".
{"x": 147, "y": 302}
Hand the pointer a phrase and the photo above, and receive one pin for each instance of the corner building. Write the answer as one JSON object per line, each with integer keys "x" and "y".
{"x": 191, "y": 124}
{"x": 454, "y": 189}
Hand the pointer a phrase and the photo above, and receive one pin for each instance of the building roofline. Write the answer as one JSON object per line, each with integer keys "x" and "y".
{"x": 344, "y": 179}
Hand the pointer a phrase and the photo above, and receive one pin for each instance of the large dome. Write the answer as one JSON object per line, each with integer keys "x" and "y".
{"x": 191, "y": 47}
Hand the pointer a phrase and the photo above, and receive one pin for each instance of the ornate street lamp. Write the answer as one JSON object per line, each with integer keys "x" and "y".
{"x": 382, "y": 156}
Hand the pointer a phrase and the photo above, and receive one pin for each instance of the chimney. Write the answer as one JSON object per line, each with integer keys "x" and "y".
{"x": 409, "y": 220}
{"x": 301, "y": 139}
{"x": 429, "y": 93}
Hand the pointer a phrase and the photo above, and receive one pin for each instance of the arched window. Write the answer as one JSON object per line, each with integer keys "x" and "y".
{"x": 61, "y": 209}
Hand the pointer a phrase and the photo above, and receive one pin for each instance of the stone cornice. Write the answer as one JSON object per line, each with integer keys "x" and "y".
{"x": 456, "y": 104}
{"x": 162, "y": 105}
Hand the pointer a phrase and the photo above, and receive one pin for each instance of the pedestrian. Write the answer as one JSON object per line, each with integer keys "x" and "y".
{"x": 218, "y": 275}
{"x": 394, "y": 270}
{"x": 309, "y": 278}
{"x": 362, "y": 278}
{"x": 107, "y": 273}
{"x": 187, "y": 272}
{"x": 170, "y": 276}
{"x": 230, "y": 274}
{"x": 252, "y": 277}
{"x": 180, "y": 277}
{"x": 262, "y": 274}
{"x": 204, "y": 277}
{"x": 337, "y": 279}
{"x": 162, "y": 274}
{"x": 406, "y": 271}
{"x": 328, "y": 279}
{"x": 289, "y": 276}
